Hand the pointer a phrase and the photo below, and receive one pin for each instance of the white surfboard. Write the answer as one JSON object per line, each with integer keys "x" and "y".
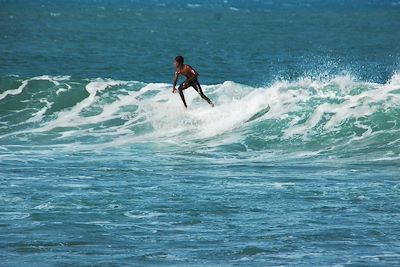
{"x": 258, "y": 114}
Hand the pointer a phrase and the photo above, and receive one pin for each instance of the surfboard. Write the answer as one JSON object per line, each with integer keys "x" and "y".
{"x": 259, "y": 114}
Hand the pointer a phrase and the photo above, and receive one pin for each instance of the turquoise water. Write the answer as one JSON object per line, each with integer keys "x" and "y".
{"x": 102, "y": 166}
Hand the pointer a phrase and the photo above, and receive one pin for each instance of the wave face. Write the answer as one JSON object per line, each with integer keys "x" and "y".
{"x": 340, "y": 117}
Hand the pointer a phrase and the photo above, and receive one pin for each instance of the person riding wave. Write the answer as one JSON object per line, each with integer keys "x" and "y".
{"x": 191, "y": 80}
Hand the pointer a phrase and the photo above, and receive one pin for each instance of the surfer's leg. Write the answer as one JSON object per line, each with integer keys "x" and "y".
{"x": 197, "y": 87}
{"x": 180, "y": 89}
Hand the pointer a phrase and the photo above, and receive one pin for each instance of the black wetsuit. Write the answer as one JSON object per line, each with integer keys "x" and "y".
{"x": 196, "y": 85}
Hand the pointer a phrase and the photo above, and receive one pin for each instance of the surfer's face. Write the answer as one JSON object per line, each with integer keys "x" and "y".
{"x": 176, "y": 63}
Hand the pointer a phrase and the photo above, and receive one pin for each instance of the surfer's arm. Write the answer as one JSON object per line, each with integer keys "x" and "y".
{"x": 175, "y": 81}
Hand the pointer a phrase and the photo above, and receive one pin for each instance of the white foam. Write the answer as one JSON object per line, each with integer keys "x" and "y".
{"x": 38, "y": 116}
{"x": 44, "y": 206}
{"x": 14, "y": 91}
{"x": 61, "y": 90}
{"x": 200, "y": 120}
{"x": 71, "y": 118}
{"x": 235, "y": 103}
{"x": 394, "y": 80}
{"x": 193, "y": 5}
{"x": 282, "y": 185}
{"x": 304, "y": 107}
{"x": 142, "y": 214}
{"x": 351, "y": 106}
{"x": 55, "y": 80}
{"x": 345, "y": 83}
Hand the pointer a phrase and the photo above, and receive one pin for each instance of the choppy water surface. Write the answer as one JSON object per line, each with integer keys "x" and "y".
{"x": 100, "y": 165}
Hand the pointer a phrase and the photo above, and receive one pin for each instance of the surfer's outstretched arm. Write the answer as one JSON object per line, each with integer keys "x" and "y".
{"x": 175, "y": 81}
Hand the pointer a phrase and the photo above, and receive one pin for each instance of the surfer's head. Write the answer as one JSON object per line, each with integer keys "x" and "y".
{"x": 178, "y": 61}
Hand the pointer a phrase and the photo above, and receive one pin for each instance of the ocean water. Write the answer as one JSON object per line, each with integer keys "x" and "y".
{"x": 100, "y": 164}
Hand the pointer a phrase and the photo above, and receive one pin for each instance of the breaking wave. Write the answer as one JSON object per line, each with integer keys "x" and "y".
{"x": 336, "y": 117}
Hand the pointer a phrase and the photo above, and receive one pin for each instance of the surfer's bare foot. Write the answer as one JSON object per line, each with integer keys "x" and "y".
{"x": 212, "y": 105}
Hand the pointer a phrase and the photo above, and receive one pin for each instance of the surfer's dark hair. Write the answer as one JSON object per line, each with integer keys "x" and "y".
{"x": 179, "y": 59}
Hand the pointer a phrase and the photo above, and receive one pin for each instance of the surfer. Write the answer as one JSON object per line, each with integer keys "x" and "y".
{"x": 191, "y": 80}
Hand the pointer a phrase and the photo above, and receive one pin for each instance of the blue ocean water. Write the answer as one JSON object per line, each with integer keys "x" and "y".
{"x": 102, "y": 166}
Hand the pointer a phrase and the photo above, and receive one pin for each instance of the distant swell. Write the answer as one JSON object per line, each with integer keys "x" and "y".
{"x": 337, "y": 117}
